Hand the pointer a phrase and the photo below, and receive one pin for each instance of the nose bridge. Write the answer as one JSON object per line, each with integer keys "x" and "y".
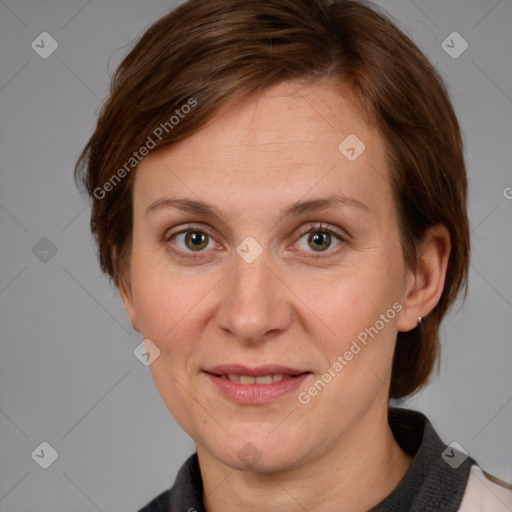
{"x": 253, "y": 303}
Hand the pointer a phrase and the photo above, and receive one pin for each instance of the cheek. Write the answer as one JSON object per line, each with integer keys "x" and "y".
{"x": 165, "y": 300}
{"x": 350, "y": 301}
{"x": 169, "y": 306}
{"x": 357, "y": 316}
{"x": 357, "y": 349}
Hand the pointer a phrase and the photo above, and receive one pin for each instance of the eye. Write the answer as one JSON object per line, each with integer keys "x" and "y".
{"x": 190, "y": 240}
{"x": 319, "y": 238}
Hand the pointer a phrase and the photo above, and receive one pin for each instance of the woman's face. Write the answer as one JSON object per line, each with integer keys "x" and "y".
{"x": 300, "y": 267}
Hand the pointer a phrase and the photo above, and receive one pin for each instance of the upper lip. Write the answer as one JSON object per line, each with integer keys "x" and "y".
{"x": 258, "y": 371}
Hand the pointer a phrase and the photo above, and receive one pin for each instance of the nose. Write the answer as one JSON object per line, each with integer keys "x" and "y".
{"x": 255, "y": 302}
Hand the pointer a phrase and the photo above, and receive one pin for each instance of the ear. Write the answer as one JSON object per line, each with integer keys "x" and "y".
{"x": 425, "y": 283}
{"x": 126, "y": 295}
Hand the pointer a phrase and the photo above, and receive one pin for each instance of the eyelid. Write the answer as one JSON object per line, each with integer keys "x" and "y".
{"x": 190, "y": 227}
{"x": 323, "y": 227}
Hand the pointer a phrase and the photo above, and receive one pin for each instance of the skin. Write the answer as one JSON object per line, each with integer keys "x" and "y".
{"x": 273, "y": 150}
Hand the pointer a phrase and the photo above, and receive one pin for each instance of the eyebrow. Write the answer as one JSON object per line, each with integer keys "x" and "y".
{"x": 293, "y": 210}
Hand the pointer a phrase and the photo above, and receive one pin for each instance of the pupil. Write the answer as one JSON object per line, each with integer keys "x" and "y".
{"x": 320, "y": 239}
{"x": 197, "y": 239}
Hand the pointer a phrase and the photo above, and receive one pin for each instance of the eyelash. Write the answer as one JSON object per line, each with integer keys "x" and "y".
{"x": 312, "y": 228}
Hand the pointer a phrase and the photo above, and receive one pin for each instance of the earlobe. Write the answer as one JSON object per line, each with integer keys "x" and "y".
{"x": 425, "y": 283}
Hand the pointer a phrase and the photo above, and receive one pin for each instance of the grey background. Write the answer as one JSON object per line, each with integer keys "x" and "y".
{"x": 68, "y": 375}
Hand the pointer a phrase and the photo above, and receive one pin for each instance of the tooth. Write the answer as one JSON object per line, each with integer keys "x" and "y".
{"x": 264, "y": 379}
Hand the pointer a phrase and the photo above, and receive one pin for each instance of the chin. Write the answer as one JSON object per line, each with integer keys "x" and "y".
{"x": 260, "y": 454}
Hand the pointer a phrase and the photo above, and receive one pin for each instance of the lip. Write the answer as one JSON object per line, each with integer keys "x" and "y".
{"x": 253, "y": 394}
{"x": 259, "y": 371}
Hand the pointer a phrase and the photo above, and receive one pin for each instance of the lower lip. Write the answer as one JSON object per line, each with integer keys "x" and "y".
{"x": 256, "y": 393}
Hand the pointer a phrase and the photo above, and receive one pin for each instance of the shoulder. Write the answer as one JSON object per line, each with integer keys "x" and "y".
{"x": 486, "y": 493}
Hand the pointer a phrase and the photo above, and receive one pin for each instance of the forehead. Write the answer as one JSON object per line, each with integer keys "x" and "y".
{"x": 290, "y": 140}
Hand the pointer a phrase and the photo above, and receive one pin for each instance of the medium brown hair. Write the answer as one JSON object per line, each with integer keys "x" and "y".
{"x": 216, "y": 52}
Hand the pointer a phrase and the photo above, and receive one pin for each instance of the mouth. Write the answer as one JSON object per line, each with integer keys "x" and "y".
{"x": 257, "y": 385}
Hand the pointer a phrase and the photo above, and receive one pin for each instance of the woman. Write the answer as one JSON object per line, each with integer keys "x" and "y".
{"x": 279, "y": 193}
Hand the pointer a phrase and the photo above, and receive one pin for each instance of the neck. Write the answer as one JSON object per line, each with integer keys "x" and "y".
{"x": 358, "y": 471}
